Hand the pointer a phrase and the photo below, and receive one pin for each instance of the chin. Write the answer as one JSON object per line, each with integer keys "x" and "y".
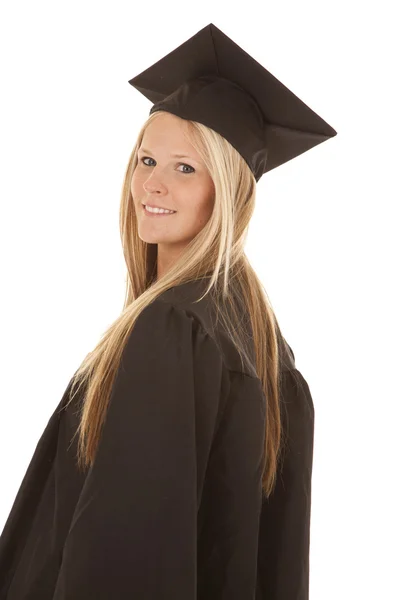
{"x": 149, "y": 238}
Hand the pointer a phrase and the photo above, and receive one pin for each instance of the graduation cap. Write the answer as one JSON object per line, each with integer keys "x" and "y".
{"x": 212, "y": 80}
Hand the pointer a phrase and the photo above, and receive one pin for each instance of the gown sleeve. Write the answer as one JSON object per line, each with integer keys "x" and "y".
{"x": 134, "y": 529}
{"x": 28, "y": 498}
{"x": 284, "y": 542}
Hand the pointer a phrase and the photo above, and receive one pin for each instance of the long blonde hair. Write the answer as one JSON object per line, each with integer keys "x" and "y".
{"x": 217, "y": 251}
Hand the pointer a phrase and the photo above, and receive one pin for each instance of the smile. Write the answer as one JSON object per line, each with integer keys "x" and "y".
{"x": 157, "y": 212}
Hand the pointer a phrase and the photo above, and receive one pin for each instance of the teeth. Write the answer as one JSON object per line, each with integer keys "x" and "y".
{"x": 158, "y": 210}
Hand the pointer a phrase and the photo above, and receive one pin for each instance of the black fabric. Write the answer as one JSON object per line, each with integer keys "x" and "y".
{"x": 212, "y": 80}
{"x": 172, "y": 507}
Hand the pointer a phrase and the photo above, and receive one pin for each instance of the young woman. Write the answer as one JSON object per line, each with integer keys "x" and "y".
{"x": 178, "y": 462}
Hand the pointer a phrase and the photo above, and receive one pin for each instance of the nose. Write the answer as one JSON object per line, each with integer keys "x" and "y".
{"x": 153, "y": 183}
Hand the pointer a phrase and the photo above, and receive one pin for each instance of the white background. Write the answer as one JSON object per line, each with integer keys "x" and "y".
{"x": 324, "y": 238}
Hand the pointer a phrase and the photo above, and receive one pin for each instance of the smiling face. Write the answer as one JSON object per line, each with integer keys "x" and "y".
{"x": 181, "y": 184}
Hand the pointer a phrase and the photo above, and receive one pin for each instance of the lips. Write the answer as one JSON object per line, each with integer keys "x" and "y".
{"x": 155, "y": 206}
{"x": 151, "y": 214}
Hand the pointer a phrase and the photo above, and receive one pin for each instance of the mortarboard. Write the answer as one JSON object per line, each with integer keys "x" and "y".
{"x": 212, "y": 80}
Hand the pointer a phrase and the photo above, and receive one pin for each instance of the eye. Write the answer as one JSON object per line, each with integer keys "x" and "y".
{"x": 185, "y": 165}
{"x": 145, "y": 158}
{"x": 180, "y": 164}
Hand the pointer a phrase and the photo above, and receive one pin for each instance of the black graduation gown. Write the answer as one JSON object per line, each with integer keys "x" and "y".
{"x": 172, "y": 507}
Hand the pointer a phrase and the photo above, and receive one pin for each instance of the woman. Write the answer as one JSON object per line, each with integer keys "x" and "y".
{"x": 178, "y": 462}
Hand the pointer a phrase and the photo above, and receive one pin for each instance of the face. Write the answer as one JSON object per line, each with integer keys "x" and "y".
{"x": 179, "y": 183}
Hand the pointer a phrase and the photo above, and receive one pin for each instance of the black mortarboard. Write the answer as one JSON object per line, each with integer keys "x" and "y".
{"x": 210, "y": 79}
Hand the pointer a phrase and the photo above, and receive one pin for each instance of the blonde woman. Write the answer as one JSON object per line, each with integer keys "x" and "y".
{"x": 178, "y": 462}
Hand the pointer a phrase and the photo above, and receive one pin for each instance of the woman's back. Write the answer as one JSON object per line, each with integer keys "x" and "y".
{"x": 172, "y": 506}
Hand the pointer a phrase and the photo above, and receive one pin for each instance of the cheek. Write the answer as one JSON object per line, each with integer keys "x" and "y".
{"x": 207, "y": 211}
{"x": 203, "y": 209}
{"x": 136, "y": 185}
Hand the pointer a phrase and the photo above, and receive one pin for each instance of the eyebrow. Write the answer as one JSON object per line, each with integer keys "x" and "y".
{"x": 173, "y": 155}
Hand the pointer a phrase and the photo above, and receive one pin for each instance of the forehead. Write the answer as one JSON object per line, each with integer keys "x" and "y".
{"x": 168, "y": 133}
{"x": 166, "y": 129}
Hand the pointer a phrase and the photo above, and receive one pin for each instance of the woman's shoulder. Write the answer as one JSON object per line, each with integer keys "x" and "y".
{"x": 189, "y": 300}
{"x": 182, "y": 301}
